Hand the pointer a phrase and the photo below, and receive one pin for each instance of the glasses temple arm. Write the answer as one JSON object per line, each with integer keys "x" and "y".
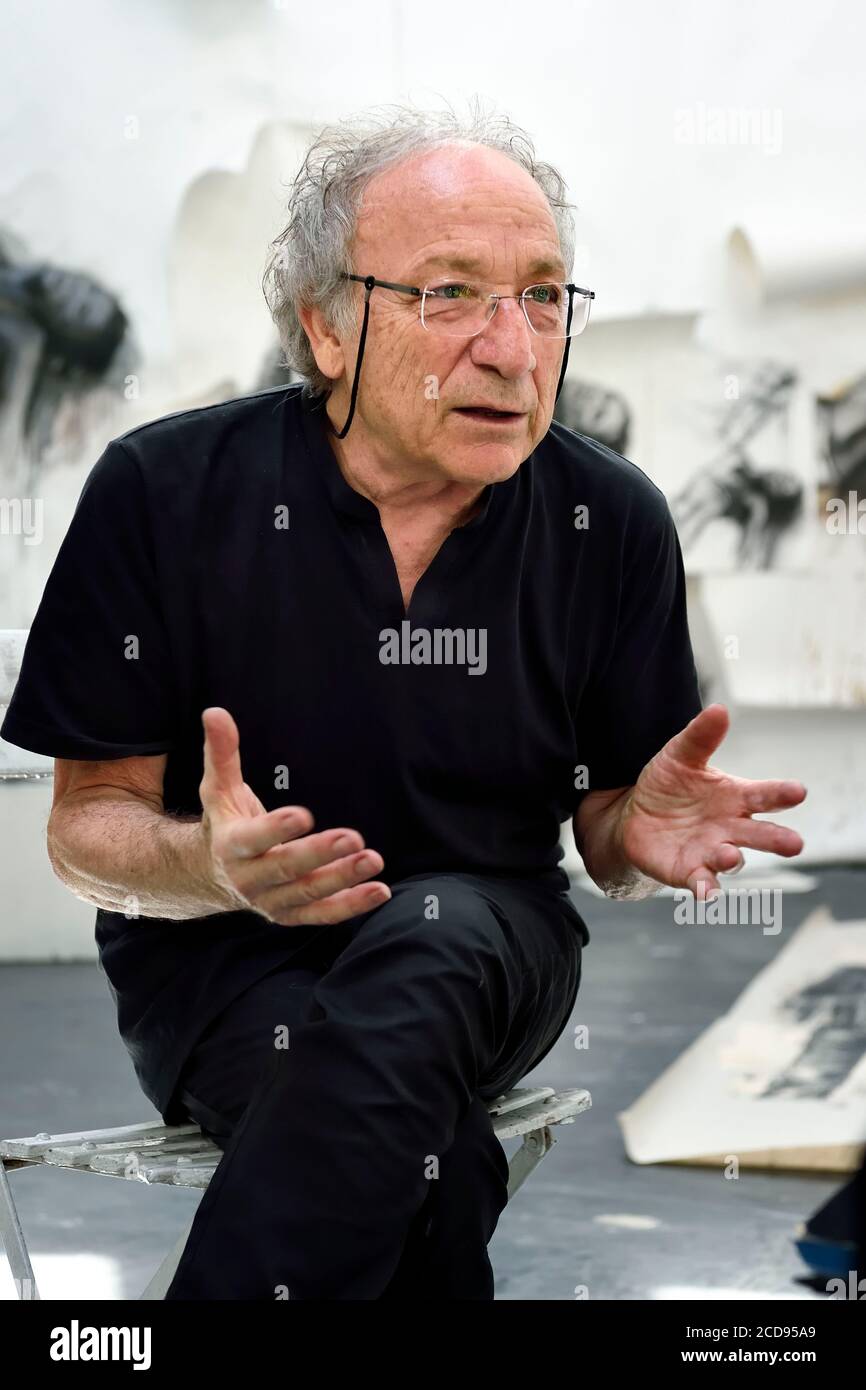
{"x": 369, "y": 283}
{"x": 567, "y": 343}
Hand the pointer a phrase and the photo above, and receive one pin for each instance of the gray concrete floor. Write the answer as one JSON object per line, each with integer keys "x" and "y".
{"x": 649, "y": 988}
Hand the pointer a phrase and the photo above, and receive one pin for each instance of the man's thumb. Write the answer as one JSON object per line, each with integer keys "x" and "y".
{"x": 698, "y": 741}
{"x": 222, "y": 758}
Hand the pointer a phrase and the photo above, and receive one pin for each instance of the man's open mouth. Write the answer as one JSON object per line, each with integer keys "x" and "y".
{"x": 483, "y": 412}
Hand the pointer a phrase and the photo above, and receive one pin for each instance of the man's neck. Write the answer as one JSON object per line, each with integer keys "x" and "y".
{"x": 428, "y": 506}
{"x": 417, "y": 516}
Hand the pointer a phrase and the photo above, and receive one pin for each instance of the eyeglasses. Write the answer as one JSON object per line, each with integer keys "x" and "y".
{"x": 460, "y": 309}
{"x": 465, "y": 314}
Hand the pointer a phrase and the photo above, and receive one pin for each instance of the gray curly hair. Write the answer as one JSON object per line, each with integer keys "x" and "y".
{"x": 307, "y": 258}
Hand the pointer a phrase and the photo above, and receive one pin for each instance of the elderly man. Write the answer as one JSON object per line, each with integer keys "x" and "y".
{"x": 422, "y": 626}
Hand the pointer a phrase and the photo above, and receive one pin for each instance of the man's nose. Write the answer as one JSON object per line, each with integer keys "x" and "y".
{"x": 506, "y": 342}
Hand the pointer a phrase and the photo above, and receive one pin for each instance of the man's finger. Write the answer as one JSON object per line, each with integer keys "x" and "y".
{"x": 725, "y": 858}
{"x": 339, "y": 907}
{"x": 703, "y": 882}
{"x": 286, "y": 862}
{"x": 698, "y": 741}
{"x": 254, "y": 836}
{"x": 322, "y": 882}
{"x": 767, "y": 835}
{"x": 773, "y": 796}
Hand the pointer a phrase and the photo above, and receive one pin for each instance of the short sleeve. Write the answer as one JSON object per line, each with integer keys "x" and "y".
{"x": 96, "y": 677}
{"x": 646, "y": 690}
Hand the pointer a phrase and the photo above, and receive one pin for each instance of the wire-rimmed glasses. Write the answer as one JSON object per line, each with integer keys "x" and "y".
{"x": 462, "y": 309}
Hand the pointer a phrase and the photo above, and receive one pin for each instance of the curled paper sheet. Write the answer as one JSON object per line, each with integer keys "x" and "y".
{"x": 780, "y": 1080}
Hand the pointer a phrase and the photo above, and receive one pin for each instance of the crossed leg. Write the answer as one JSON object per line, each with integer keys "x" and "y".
{"x": 362, "y": 1163}
{"x": 445, "y": 1253}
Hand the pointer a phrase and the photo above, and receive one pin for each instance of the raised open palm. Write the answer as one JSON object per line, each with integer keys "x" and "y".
{"x": 272, "y": 861}
{"x": 685, "y": 822}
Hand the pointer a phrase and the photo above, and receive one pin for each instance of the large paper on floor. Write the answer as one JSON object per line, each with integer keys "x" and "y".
{"x": 780, "y": 1080}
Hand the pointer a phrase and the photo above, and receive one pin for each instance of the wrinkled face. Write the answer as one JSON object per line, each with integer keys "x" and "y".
{"x": 472, "y": 214}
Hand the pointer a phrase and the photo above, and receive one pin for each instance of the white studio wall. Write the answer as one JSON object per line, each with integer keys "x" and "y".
{"x": 146, "y": 158}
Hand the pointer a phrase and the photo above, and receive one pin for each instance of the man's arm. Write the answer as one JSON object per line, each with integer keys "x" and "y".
{"x": 112, "y": 843}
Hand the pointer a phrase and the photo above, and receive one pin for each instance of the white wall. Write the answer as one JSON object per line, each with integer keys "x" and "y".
{"x": 109, "y": 114}
{"x": 601, "y": 86}
{"x": 39, "y": 918}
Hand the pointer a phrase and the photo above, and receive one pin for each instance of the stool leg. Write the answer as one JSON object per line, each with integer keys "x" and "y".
{"x": 164, "y": 1275}
{"x": 536, "y": 1145}
{"x": 13, "y": 1242}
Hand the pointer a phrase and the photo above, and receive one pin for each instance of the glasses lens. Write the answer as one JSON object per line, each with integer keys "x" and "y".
{"x": 547, "y": 310}
{"x": 455, "y": 309}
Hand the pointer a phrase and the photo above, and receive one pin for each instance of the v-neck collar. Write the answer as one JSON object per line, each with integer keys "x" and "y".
{"x": 344, "y": 498}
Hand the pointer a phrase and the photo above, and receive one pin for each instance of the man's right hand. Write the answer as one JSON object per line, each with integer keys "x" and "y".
{"x": 267, "y": 861}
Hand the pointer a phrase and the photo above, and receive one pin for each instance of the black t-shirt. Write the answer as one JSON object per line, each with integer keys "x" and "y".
{"x": 217, "y": 556}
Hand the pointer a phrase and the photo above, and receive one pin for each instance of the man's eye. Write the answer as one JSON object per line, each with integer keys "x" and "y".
{"x": 454, "y": 291}
{"x": 545, "y": 294}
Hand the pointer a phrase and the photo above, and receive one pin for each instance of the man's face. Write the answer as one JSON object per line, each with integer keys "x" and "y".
{"x": 474, "y": 215}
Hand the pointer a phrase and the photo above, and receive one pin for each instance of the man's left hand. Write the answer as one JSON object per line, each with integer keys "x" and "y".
{"x": 684, "y": 822}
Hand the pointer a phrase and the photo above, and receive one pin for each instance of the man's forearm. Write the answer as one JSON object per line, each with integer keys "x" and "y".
{"x": 123, "y": 855}
{"x": 598, "y": 835}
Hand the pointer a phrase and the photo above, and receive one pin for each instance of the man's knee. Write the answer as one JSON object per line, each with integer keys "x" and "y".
{"x": 423, "y": 990}
{"x": 445, "y": 911}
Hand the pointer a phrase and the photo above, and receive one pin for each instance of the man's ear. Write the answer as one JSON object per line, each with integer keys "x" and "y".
{"x": 326, "y": 346}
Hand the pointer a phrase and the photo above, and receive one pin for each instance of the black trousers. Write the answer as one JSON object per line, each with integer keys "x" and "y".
{"x": 348, "y": 1094}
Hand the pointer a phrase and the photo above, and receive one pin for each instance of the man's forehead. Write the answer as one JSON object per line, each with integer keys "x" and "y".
{"x": 460, "y": 201}
{"x": 477, "y": 259}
